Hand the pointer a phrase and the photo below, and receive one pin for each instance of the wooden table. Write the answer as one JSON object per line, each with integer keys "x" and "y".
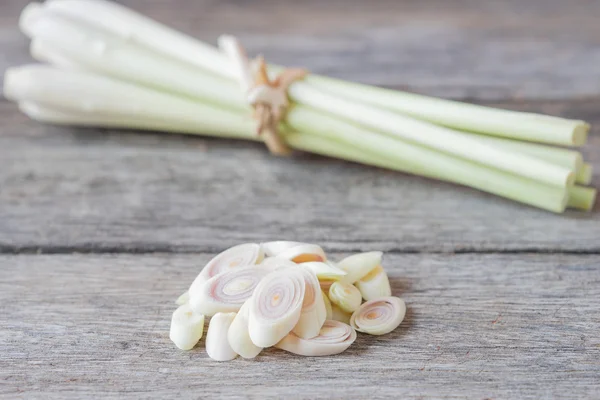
{"x": 100, "y": 230}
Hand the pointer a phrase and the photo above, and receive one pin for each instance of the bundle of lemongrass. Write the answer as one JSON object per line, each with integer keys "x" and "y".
{"x": 112, "y": 67}
{"x": 287, "y": 295}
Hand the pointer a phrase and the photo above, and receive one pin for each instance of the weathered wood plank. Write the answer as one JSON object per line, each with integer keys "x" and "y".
{"x": 478, "y": 326}
{"x": 92, "y": 190}
{"x": 458, "y": 48}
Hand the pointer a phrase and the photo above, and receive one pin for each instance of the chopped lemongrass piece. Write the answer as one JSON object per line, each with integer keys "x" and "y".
{"x": 326, "y": 284}
{"x": 272, "y": 249}
{"x": 227, "y": 291}
{"x": 239, "y": 337}
{"x": 345, "y": 295}
{"x": 334, "y": 337}
{"x": 584, "y": 174}
{"x": 337, "y": 314}
{"x": 325, "y": 270}
{"x": 374, "y": 285}
{"x": 314, "y": 311}
{"x": 186, "y": 327}
{"x": 328, "y": 310}
{"x": 378, "y": 317}
{"x": 184, "y": 298}
{"x": 582, "y": 198}
{"x": 304, "y": 253}
{"x": 236, "y": 256}
{"x": 276, "y": 262}
{"x": 276, "y": 306}
{"x": 217, "y": 345}
{"x": 359, "y": 265}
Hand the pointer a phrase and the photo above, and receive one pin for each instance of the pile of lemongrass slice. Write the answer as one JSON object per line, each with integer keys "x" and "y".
{"x": 112, "y": 67}
{"x": 287, "y": 295}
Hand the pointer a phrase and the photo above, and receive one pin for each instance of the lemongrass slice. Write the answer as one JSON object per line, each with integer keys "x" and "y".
{"x": 378, "y": 317}
{"x": 314, "y": 311}
{"x": 326, "y": 284}
{"x": 359, "y": 265}
{"x": 374, "y": 285}
{"x": 337, "y": 314}
{"x": 325, "y": 270}
{"x": 271, "y": 249}
{"x": 238, "y": 336}
{"x": 276, "y": 262}
{"x": 304, "y": 253}
{"x": 236, "y": 256}
{"x": 334, "y": 337}
{"x": 276, "y": 306}
{"x": 184, "y": 298}
{"x": 345, "y": 295}
{"x": 227, "y": 291}
{"x": 186, "y": 327}
{"x": 217, "y": 345}
{"x": 328, "y": 310}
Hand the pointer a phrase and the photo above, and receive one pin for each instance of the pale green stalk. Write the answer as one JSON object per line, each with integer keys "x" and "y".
{"x": 98, "y": 51}
{"x": 584, "y": 174}
{"x": 582, "y": 198}
{"x": 461, "y": 116}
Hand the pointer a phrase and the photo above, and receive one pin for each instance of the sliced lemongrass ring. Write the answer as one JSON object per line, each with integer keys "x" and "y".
{"x": 334, "y": 337}
{"x": 345, "y": 295}
{"x": 328, "y": 311}
{"x": 359, "y": 265}
{"x": 314, "y": 312}
{"x": 275, "y": 306}
{"x": 184, "y": 298}
{"x": 271, "y": 249}
{"x": 217, "y": 346}
{"x": 238, "y": 336}
{"x": 374, "y": 285}
{"x": 337, "y": 314}
{"x": 325, "y": 270}
{"x": 378, "y": 317}
{"x": 303, "y": 253}
{"x": 236, "y": 256}
{"x": 227, "y": 291}
{"x": 186, "y": 327}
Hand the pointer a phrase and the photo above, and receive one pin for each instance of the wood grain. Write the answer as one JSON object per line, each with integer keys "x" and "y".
{"x": 97, "y": 190}
{"x": 457, "y": 48}
{"x": 478, "y": 326}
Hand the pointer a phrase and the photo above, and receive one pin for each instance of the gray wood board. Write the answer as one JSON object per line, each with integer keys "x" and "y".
{"x": 457, "y": 48}
{"x": 478, "y": 326}
{"x": 68, "y": 189}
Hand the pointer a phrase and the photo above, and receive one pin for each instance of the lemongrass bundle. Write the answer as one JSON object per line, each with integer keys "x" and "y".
{"x": 279, "y": 303}
{"x": 114, "y": 67}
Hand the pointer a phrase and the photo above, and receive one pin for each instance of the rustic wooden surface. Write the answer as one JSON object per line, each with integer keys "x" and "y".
{"x": 125, "y": 220}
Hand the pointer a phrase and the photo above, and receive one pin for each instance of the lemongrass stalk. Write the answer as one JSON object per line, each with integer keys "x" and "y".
{"x": 345, "y": 295}
{"x": 101, "y": 52}
{"x": 359, "y": 265}
{"x": 501, "y": 184}
{"x": 217, "y": 343}
{"x": 380, "y": 150}
{"x": 183, "y": 298}
{"x": 86, "y": 94}
{"x": 374, "y": 285}
{"x": 582, "y": 198}
{"x": 378, "y": 317}
{"x": 44, "y": 52}
{"x": 133, "y": 26}
{"x": 584, "y": 174}
{"x": 568, "y": 158}
{"x": 187, "y": 327}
